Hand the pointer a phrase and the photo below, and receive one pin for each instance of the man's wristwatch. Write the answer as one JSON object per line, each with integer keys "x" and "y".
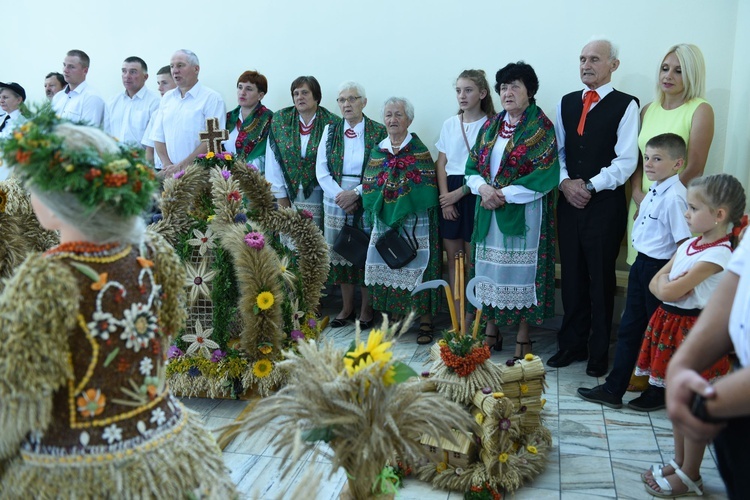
{"x": 590, "y": 187}
{"x": 699, "y": 411}
{"x": 356, "y": 190}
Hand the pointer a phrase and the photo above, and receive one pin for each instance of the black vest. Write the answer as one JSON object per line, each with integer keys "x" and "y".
{"x": 586, "y": 155}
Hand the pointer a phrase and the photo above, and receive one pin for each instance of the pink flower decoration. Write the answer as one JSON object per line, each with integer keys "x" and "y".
{"x": 297, "y": 335}
{"x": 234, "y": 196}
{"x": 250, "y": 166}
{"x": 311, "y": 323}
{"x": 306, "y": 213}
{"x": 255, "y": 240}
{"x": 226, "y": 173}
{"x": 179, "y": 174}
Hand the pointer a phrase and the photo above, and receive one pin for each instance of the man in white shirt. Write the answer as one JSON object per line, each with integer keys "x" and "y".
{"x": 597, "y": 132}
{"x": 54, "y": 82}
{"x": 182, "y": 115}
{"x": 127, "y": 115}
{"x": 164, "y": 83}
{"x": 78, "y": 101}
{"x": 12, "y": 95}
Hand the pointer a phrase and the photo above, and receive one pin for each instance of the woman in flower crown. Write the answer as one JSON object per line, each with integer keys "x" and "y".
{"x": 85, "y": 408}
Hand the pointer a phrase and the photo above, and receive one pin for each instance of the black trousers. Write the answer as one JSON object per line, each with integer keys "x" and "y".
{"x": 589, "y": 241}
{"x": 732, "y": 446}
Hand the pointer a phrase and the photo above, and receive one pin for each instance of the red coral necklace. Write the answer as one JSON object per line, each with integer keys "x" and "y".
{"x": 306, "y": 129}
{"x": 694, "y": 248}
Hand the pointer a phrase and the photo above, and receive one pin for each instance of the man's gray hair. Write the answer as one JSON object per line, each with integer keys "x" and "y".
{"x": 351, "y": 85}
{"x": 403, "y": 101}
{"x": 614, "y": 51}
{"x": 191, "y": 57}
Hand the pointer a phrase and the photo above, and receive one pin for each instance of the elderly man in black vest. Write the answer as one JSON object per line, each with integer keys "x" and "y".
{"x": 597, "y": 132}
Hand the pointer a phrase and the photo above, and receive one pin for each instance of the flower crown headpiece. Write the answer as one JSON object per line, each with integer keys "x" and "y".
{"x": 122, "y": 181}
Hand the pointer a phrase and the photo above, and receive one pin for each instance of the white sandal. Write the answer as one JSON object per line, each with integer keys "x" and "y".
{"x": 656, "y": 470}
{"x": 694, "y": 487}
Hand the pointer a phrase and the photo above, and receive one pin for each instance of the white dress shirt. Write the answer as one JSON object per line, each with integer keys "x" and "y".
{"x": 739, "y": 318}
{"x": 15, "y": 119}
{"x": 181, "y": 119}
{"x": 626, "y": 149}
{"x": 81, "y": 104}
{"x": 451, "y": 142}
{"x": 354, "y": 156}
{"x": 126, "y": 118}
{"x": 661, "y": 219}
{"x": 274, "y": 175}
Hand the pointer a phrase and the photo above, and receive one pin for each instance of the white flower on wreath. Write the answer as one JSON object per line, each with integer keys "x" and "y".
{"x": 197, "y": 280}
{"x": 203, "y": 240}
{"x": 102, "y": 325}
{"x": 200, "y": 341}
{"x": 297, "y": 315}
{"x": 286, "y": 273}
{"x": 145, "y": 366}
{"x": 140, "y": 327}
{"x": 112, "y": 434}
{"x": 158, "y": 416}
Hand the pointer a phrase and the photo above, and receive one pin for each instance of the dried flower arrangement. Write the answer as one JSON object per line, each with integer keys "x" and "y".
{"x": 368, "y": 407}
{"x": 260, "y": 296}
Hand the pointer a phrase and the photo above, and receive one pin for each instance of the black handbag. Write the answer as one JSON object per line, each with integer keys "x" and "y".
{"x": 352, "y": 243}
{"x": 398, "y": 250}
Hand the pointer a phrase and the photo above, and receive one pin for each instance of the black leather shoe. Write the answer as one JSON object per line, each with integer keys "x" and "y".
{"x": 565, "y": 357}
{"x": 600, "y": 395}
{"x": 366, "y": 325}
{"x": 651, "y": 399}
{"x": 596, "y": 369}
{"x": 341, "y": 322}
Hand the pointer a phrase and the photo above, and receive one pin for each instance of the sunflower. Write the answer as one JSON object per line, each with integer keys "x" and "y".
{"x": 376, "y": 351}
{"x": 531, "y": 449}
{"x": 503, "y": 458}
{"x": 264, "y": 300}
{"x": 262, "y": 368}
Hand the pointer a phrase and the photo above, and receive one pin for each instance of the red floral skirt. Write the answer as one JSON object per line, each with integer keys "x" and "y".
{"x": 664, "y": 334}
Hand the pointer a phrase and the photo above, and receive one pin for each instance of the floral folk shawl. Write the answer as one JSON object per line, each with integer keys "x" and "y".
{"x": 529, "y": 160}
{"x": 284, "y": 141}
{"x": 251, "y": 140}
{"x": 374, "y": 133}
{"x": 396, "y": 186}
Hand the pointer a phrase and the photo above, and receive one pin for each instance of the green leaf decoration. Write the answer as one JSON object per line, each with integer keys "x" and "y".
{"x": 403, "y": 372}
{"x": 324, "y": 434}
{"x": 111, "y": 356}
{"x": 352, "y": 347}
{"x": 86, "y": 270}
{"x": 256, "y": 309}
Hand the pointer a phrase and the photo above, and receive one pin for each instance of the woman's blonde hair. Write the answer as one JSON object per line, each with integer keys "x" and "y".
{"x": 693, "y": 71}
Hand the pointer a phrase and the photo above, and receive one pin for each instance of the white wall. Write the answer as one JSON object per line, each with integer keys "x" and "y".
{"x": 393, "y": 47}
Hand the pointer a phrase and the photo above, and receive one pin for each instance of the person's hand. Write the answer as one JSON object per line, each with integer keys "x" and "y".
{"x": 638, "y": 197}
{"x": 451, "y": 198}
{"x": 169, "y": 170}
{"x": 575, "y": 192}
{"x": 491, "y": 198}
{"x": 450, "y": 212}
{"x": 666, "y": 279}
{"x": 284, "y": 202}
{"x": 348, "y": 201}
{"x": 683, "y": 384}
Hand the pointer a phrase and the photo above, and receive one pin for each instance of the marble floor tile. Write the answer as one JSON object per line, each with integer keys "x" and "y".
{"x": 581, "y": 434}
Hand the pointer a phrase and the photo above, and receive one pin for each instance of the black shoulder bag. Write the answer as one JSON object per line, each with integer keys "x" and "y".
{"x": 398, "y": 250}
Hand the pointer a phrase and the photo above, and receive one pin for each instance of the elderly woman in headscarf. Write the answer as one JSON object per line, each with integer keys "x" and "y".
{"x": 342, "y": 155}
{"x": 400, "y": 192}
{"x": 514, "y": 169}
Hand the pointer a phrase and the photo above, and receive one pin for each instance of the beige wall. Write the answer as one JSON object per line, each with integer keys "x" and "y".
{"x": 393, "y": 47}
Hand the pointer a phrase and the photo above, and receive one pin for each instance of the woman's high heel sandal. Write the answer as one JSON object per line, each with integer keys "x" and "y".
{"x": 524, "y": 352}
{"x": 497, "y": 345}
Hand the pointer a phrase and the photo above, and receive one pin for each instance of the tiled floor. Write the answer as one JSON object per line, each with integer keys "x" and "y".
{"x": 598, "y": 452}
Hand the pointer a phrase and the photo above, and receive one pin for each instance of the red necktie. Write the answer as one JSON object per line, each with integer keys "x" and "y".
{"x": 590, "y": 98}
{"x": 350, "y": 133}
{"x": 239, "y": 124}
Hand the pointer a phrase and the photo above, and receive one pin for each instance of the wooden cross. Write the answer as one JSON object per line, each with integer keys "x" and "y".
{"x": 213, "y": 135}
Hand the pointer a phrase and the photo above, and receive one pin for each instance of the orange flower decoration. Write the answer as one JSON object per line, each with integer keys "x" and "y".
{"x": 91, "y": 403}
{"x": 100, "y": 284}
{"x": 144, "y": 262}
{"x": 23, "y": 157}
